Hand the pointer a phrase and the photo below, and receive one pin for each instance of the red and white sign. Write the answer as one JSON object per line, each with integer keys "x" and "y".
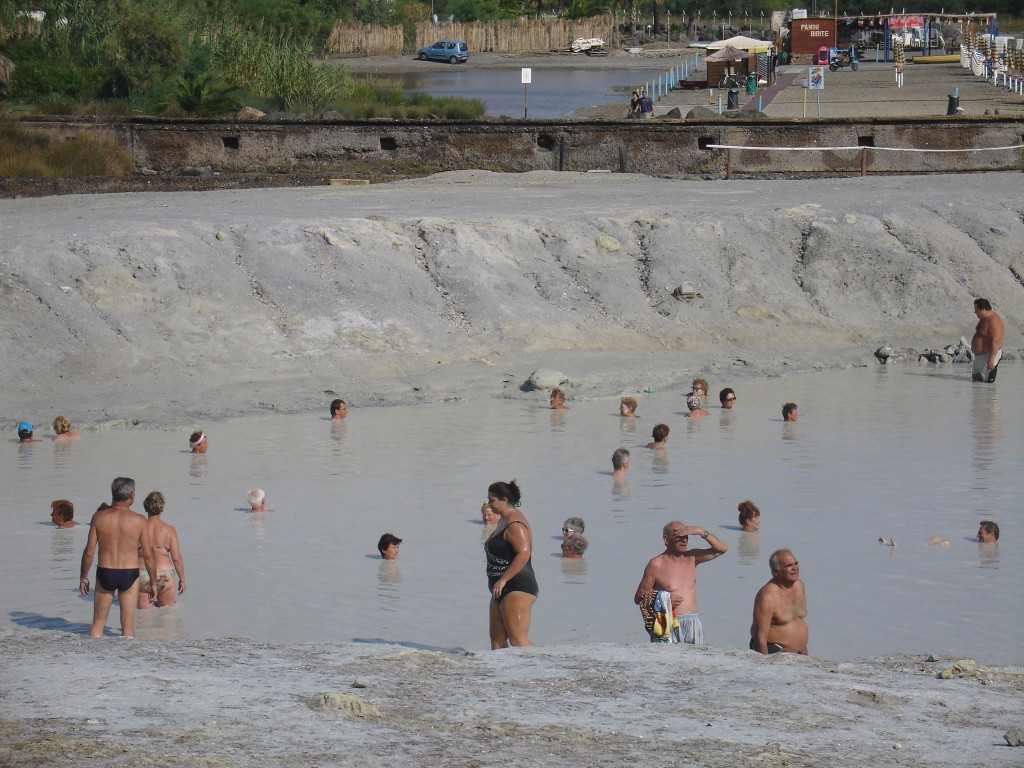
{"x": 906, "y": 22}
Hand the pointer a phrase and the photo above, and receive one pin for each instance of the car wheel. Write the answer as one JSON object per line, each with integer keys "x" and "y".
{"x": 423, "y": 57}
{"x": 854, "y": 66}
{"x": 453, "y": 60}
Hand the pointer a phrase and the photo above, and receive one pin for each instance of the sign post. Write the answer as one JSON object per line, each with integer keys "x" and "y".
{"x": 527, "y": 78}
{"x": 816, "y": 82}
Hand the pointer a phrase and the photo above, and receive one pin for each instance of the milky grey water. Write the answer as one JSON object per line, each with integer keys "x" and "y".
{"x": 553, "y": 93}
{"x": 902, "y": 452}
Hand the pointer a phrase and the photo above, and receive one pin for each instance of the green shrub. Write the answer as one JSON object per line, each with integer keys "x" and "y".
{"x": 29, "y": 153}
{"x": 38, "y": 78}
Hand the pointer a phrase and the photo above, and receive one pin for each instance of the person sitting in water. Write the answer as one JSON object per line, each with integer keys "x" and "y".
{"x": 572, "y": 526}
{"x": 25, "y": 432}
{"x": 573, "y": 547}
{"x": 388, "y": 546}
{"x": 988, "y": 532}
{"x": 620, "y": 463}
{"x": 339, "y": 410}
{"x": 700, "y": 387}
{"x": 62, "y": 429}
{"x": 727, "y": 397}
{"x": 750, "y": 517}
{"x": 197, "y": 442}
{"x": 660, "y": 436}
{"x": 557, "y": 400}
{"x": 257, "y": 499}
{"x": 627, "y": 407}
{"x": 62, "y": 513}
{"x": 694, "y": 402}
{"x": 487, "y": 515}
{"x": 790, "y": 412}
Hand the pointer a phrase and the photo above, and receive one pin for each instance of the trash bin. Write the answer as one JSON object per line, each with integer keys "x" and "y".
{"x": 954, "y": 105}
{"x": 734, "y": 98}
{"x": 751, "y": 83}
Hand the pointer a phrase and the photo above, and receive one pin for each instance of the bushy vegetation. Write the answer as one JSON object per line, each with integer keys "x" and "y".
{"x": 28, "y": 153}
{"x": 200, "y": 58}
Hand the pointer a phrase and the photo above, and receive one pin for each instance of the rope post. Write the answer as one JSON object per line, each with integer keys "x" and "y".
{"x": 863, "y": 161}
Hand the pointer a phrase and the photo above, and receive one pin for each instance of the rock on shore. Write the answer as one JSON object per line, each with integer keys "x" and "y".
{"x": 170, "y": 308}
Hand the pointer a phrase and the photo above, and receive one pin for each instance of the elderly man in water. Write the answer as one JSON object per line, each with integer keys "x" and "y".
{"x": 779, "y": 609}
{"x": 675, "y": 571}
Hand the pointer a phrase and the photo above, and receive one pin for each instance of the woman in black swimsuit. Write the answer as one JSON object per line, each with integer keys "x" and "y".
{"x": 510, "y": 575}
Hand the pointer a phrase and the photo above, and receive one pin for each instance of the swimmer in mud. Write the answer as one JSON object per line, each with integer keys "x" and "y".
{"x": 659, "y": 437}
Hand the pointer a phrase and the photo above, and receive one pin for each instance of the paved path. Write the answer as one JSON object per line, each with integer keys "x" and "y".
{"x": 783, "y": 81}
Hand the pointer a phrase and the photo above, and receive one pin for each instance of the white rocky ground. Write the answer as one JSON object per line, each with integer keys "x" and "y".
{"x": 72, "y": 701}
{"x": 168, "y": 309}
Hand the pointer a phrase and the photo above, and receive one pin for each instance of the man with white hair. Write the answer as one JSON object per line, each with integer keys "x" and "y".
{"x": 258, "y": 500}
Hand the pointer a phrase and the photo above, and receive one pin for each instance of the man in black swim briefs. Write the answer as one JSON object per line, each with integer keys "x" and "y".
{"x": 120, "y": 533}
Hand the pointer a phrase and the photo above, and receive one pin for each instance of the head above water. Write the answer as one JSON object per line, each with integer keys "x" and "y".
{"x": 385, "y": 543}
{"x": 660, "y": 432}
{"x": 62, "y": 511}
{"x": 748, "y": 512}
{"x": 727, "y": 397}
{"x": 988, "y": 532}
{"x": 256, "y": 497}
{"x": 620, "y": 459}
{"x": 61, "y": 425}
{"x": 198, "y": 442}
{"x": 338, "y": 408}
{"x": 789, "y": 412}
{"x": 700, "y": 386}
{"x": 693, "y": 401}
{"x": 573, "y": 525}
{"x": 25, "y": 430}
{"x": 627, "y": 406}
{"x": 573, "y": 547}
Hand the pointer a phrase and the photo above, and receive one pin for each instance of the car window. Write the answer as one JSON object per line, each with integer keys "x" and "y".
{"x": 437, "y": 45}
{"x": 449, "y": 46}
{"x": 463, "y": 47}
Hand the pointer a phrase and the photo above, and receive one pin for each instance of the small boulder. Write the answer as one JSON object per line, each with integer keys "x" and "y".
{"x": 1014, "y": 737}
{"x": 701, "y": 113}
{"x": 335, "y": 701}
{"x": 674, "y": 114}
{"x": 250, "y": 113}
{"x": 544, "y": 378}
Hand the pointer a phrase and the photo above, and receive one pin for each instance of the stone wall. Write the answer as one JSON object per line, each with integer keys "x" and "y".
{"x": 663, "y": 148}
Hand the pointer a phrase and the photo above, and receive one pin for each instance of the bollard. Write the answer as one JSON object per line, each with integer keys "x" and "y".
{"x": 719, "y": 105}
{"x": 760, "y": 104}
{"x": 953, "y": 106}
{"x": 734, "y": 98}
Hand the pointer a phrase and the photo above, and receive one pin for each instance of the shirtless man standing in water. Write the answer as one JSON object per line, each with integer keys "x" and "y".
{"x": 119, "y": 532}
{"x": 779, "y": 609}
{"x": 675, "y": 571}
{"x": 987, "y": 342}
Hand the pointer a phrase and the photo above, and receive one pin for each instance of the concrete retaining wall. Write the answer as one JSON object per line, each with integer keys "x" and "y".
{"x": 663, "y": 148}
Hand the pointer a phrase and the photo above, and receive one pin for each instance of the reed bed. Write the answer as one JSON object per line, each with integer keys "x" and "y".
{"x": 366, "y": 39}
{"x": 504, "y": 36}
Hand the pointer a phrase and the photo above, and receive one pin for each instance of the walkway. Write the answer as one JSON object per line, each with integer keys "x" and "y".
{"x": 782, "y": 81}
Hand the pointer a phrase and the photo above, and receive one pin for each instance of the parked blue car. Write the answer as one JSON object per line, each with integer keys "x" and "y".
{"x": 452, "y": 51}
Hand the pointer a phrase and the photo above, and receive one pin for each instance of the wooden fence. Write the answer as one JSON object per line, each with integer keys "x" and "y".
{"x": 506, "y": 36}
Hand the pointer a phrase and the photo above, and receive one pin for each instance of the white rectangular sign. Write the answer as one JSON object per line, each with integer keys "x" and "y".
{"x": 816, "y": 79}
{"x": 527, "y": 75}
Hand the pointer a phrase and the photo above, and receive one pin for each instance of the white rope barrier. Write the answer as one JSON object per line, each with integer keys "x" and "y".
{"x": 857, "y": 148}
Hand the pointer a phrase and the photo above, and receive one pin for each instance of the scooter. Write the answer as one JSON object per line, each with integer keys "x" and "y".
{"x": 838, "y": 59}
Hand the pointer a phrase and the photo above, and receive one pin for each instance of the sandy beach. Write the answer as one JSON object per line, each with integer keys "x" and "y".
{"x": 162, "y": 310}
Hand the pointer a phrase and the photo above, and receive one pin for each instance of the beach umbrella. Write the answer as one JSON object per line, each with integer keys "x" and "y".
{"x": 727, "y": 54}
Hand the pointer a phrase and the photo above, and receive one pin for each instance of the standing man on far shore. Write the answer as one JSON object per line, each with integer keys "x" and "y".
{"x": 779, "y": 609}
{"x": 987, "y": 342}
{"x": 121, "y": 534}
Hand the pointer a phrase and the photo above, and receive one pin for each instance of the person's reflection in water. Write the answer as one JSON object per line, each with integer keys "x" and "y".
{"x": 388, "y": 578}
{"x": 198, "y": 465}
{"x": 339, "y": 429}
{"x": 557, "y": 418}
{"x": 749, "y": 548}
{"x": 162, "y": 625}
{"x": 659, "y": 464}
{"x": 257, "y": 524}
{"x": 986, "y": 431}
{"x": 62, "y": 545}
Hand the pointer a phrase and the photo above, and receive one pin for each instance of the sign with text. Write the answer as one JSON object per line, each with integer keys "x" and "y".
{"x": 527, "y": 75}
{"x": 816, "y": 79}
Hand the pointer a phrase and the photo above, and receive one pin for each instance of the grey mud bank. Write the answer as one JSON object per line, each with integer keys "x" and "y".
{"x": 167, "y": 309}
